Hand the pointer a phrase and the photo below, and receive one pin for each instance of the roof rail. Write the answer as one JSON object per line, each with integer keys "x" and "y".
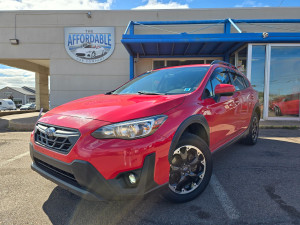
{"x": 223, "y": 63}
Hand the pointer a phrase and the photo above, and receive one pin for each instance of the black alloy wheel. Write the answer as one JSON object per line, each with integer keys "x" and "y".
{"x": 190, "y": 169}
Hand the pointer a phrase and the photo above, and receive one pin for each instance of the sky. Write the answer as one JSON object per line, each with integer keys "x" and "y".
{"x": 17, "y": 78}
{"x": 138, "y": 4}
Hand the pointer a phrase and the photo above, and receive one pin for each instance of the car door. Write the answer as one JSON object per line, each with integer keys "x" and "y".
{"x": 242, "y": 99}
{"x": 219, "y": 111}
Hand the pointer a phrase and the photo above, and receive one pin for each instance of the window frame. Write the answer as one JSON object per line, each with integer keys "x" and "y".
{"x": 233, "y": 73}
{"x": 226, "y": 70}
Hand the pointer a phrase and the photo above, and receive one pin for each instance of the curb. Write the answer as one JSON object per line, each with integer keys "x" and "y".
{"x": 15, "y": 126}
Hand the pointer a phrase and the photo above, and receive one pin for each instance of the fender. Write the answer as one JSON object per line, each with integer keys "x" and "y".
{"x": 200, "y": 119}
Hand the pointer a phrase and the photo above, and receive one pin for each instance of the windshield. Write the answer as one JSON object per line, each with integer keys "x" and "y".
{"x": 167, "y": 81}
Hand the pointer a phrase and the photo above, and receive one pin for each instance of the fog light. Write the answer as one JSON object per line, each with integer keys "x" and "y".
{"x": 132, "y": 178}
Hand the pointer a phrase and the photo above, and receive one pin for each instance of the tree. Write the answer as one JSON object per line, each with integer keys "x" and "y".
{"x": 11, "y": 97}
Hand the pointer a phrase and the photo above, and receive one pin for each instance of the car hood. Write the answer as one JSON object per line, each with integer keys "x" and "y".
{"x": 116, "y": 108}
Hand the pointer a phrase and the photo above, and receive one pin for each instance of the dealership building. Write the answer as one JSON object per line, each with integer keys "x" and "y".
{"x": 85, "y": 53}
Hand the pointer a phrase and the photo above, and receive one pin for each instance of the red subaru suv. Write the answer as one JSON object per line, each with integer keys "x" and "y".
{"x": 157, "y": 130}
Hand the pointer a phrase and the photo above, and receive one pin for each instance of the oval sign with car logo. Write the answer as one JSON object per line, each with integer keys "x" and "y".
{"x": 90, "y": 44}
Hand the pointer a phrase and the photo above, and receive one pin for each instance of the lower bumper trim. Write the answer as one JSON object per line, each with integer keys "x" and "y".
{"x": 83, "y": 179}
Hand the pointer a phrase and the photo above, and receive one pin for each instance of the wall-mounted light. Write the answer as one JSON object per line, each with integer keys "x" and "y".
{"x": 14, "y": 41}
{"x": 89, "y": 14}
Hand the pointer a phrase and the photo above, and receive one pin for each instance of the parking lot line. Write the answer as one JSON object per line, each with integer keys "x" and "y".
{"x": 295, "y": 140}
{"x": 13, "y": 159}
{"x": 224, "y": 199}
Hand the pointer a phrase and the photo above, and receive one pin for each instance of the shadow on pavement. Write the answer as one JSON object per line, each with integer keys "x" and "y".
{"x": 3, "y": 125}
{"x": 30, "y": 120}
{"x": 63, "y": 207}
{"x": 244, "y": 172}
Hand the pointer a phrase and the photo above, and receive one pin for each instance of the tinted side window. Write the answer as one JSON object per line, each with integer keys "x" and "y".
{"x": 246, "y": 82}
{"x": 238, "y": 81}
{"x": 219, "y": 76}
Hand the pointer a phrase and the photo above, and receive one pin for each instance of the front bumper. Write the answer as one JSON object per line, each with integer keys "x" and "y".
{"x": 83, "y": 179}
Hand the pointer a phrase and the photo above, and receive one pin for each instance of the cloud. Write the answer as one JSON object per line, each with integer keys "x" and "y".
{"x": 54, "y": 4}
{"x": 14, "y": 77}
{"x": 251, "y": 3}
{"x": 156, "y": 4}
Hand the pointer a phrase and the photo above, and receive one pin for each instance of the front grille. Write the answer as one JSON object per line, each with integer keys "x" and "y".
{"x": 56, "y": 138}
{"x": 61, "y": 174}
{"x": 80, "y": 54}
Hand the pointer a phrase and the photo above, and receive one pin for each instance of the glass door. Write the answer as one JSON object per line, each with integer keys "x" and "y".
{"x": 258, "y": 73}
{"x": 284, "y": 82}
{"x": 274, "y": 72}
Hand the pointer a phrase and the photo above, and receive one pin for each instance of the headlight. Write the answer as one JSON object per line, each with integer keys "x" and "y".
{"x": 131, "y": 129}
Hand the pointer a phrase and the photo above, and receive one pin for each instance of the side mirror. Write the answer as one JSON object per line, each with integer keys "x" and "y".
{"x": 224, "y": 90}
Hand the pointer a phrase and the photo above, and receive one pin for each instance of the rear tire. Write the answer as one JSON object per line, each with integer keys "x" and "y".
{"x": 190, "y": 169}
{"x": 252, "y": 135}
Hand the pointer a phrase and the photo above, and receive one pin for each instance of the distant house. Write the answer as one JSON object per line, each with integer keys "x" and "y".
{"x": 20, "y": 95}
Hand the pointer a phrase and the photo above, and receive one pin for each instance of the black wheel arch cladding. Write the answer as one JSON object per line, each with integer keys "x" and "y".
{"x": 194, "y": 119}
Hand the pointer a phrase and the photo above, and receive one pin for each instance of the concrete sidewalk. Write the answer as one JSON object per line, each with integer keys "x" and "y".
{"x": 26, "y": 122}
{"x": 274, "y": 124}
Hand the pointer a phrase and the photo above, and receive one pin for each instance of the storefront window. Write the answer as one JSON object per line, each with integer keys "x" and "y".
{"x": 258, "y": 72}
{"x": 242, "y": 60}
{"x": 183, "y": 62}
{"x": 157, "y": 64}
{"x": 284, "y": 81}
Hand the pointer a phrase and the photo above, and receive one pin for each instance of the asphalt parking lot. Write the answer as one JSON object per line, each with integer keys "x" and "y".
{"x": 250, "y": 185}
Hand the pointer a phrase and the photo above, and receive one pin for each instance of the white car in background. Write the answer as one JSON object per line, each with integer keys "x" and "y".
{"x": 28, "y": 106}
{"x": 7, "y": 104}
{"x": 90, "y": 51}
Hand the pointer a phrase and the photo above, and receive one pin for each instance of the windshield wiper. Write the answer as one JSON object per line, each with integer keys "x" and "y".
{"x": 149, "y": 93}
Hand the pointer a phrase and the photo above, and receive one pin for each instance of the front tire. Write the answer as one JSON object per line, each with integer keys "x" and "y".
{"x": 190, "y": 169}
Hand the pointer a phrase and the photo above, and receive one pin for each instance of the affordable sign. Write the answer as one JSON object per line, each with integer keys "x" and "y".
{"x": 90, "y": 44}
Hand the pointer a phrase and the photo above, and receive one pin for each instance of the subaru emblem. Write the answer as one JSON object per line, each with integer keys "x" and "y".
{"x": 50, "y": 131}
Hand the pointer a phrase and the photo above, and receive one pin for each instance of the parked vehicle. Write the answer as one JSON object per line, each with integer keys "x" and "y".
{"x": 18, "y": 106}
{"x": 159, "y": 128}
{"x": 286, "y": 105}
{"x": 7, "y": 104}
{"x": 28, "y": 106}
